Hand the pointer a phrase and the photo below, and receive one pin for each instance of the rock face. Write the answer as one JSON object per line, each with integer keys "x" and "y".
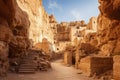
{"x": 45, "y": 45}
{"x": 110, "y": 8}
{"x": 14, "y": 25}
{"x": 63, "y": 32}
{"x": 116, "y": 66}
{"x": 4, "y": 48}
{"x": 108, "y": 28}
{"x": 40, "y": 21}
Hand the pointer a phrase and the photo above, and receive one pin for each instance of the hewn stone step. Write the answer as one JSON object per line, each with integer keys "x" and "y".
{"x": 26, "y": 71}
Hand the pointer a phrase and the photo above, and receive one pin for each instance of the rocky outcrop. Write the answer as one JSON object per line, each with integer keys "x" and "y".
{"x": 110, "y": 45}
{"x": 4, "y": 64}
{"x": 110, "y": 9}
{"x": 40, "y": 21}
{"x": 14, "y": 25}
{"x": 108, "y": 28}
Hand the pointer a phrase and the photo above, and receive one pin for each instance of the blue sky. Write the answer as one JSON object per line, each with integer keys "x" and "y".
{"x": 72, "y": 10}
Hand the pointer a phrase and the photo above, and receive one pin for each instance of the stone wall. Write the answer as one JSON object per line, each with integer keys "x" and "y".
{"x": 45, "y": 45}
{"x": 69, "y": 55}
{"x": 67, "y": 58}
{"x": 96, "y": 65}
{"x": 116, "y": 67}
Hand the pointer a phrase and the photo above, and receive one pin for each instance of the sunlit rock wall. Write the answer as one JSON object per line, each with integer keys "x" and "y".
{"x": 39, "y": 27}
{"x": 109, "y": 27}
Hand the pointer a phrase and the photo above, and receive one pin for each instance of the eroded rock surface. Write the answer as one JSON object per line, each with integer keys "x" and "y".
{"x": 108, "y": 27}
{"x": 14, "y": 25}
{"x": 40, "y": 20}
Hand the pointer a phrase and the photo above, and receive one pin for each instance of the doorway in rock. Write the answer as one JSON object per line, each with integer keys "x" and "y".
{"x": 73, "y": 60}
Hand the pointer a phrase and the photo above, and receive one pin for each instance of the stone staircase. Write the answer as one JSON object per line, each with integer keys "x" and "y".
{"x": 35, "y": 60}
{"x": 27, "y": 64}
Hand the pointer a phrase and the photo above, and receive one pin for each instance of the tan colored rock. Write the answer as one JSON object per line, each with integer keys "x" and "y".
{"x": 5, "y": 32}
{"x": 46, "y": 46}
{"x": 68, "y": 58}
{"x": 69, "y": 55}
{"x": 40, "y": 26}
{"x": 13, "y": 22}
{"x": 95, "y": 65}
{"x": 116, "y": 66}
{"x": 4, "y": 62}
{"x": 108, "y": 30}
{"x": 110, "y": 8}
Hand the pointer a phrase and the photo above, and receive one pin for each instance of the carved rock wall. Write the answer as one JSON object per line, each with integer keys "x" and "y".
{"x": 14, "y": 25}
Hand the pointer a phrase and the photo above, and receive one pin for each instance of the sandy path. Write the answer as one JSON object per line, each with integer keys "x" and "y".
{"x": 58, "y": 72}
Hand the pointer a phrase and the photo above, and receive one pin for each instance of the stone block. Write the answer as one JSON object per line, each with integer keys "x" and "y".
{"x": 95, "y": 65}
{"x": 67, "y": 58}
{"x": 116, "y": 67}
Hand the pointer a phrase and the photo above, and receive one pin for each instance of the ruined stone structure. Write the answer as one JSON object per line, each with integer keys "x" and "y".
{"x": 76, "y": 28}
{"x": 72, "y": 32}
{"x": 95, "y": 46}
{"x": 95, "y": 65}
{"x": 91, "y": 26}
{"x": 62, "y": 36}
{"x": 116, "y": 66}
{"x": 107, "y": 37}
{"x": 63, "y": 32}
{"x": 45, "y": 45}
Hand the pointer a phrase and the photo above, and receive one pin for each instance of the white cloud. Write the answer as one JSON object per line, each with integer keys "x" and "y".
{"x": 54, "y": 5}
{"x": 75, "y": 14}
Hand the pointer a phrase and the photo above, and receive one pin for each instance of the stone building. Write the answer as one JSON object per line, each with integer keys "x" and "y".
{"x": 73, "y": 32}
{"x": 76, "y": 28}
{"x": 62, "y": 37}
{"x": 91, "y": 27}
{"x": 45, "y": 46}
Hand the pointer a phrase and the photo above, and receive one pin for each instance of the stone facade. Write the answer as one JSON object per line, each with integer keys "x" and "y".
{"x": 95, "y": 65}
{"x": 67, "y": 58}
{"x": 76, "y": 31}
{"x": 91, "y": 26}
{"x": 68, "y": 33}
{"x": 45, "y": 45}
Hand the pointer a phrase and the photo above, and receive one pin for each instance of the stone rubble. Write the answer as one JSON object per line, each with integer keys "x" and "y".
{"x": 35, "y": 60}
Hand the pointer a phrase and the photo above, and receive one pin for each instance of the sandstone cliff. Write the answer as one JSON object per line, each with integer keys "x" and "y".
{"x": 14, "y": 25}
{"x": 109, "y": 27}
{"x": 40, "y": 21}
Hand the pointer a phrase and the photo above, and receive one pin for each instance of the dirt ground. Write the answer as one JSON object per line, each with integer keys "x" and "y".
{"x": 58, "y": 72}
